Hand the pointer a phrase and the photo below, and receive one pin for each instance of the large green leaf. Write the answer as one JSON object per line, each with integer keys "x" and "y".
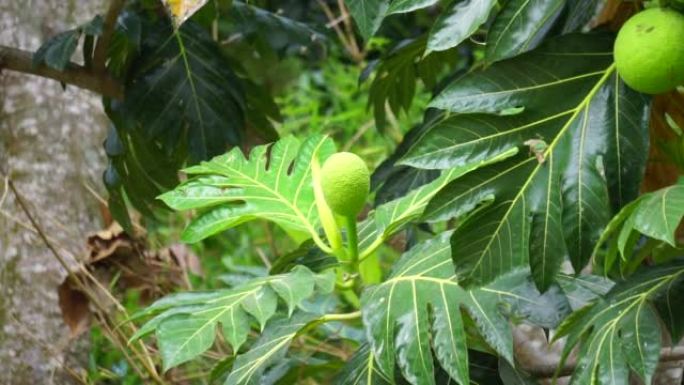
{"x": 392, "y": 216}
{"x": 274, "y": 184}
{"x": 186, "y": 323}
{"x": 656, "y": 215}
{"x": 184, "y": 86}
{"x": 403, "y": 332}
{"x": 589, "y": 130}
{"x": 368, "y": 15}
{"x": 458, "y": 22}
{"x": 269, "y": 350}
{"x": 621, "y": 331}
{"x": 361, "y": 370}
{"x": 520, "y": 26}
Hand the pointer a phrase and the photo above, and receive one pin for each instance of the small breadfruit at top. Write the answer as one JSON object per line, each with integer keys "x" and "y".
{"x": 649, "y": 51}
{"x": 345, "y": 181}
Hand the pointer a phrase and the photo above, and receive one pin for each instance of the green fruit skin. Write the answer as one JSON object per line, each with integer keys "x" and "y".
{"x": 345, "y": 181}
{"x": 649, "y": 51}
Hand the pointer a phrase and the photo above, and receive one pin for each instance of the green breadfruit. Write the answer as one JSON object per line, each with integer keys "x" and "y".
{"x": 649, "y": 51}
{"x": 345, "y": 180}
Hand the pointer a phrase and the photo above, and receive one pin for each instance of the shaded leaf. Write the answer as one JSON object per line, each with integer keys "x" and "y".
{"x": 583, "y": 289}
{"x": 403, "y": 332}
{"x": 248, "y": 19}
{"x": 520, "y": 26}
{"x": 579, "y": 13}
{"x": 396, "y": 74}
{"x": 185, "y": 83}
{"x": 620, "y": 332}
{"x": 511, "y": 376}
{"x": 56, "y": 52}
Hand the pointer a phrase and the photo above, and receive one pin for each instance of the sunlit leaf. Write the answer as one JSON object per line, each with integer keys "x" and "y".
{"x": 181, "y": 10}
{"x": 185, "y": 323}
{"x": 274, "y": 184}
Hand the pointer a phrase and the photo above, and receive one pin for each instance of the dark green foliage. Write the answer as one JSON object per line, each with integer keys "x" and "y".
{"x": 530, "y": 210}
{"x": 57, "y": 51}
{"x": 621, "y": 332}
{"x": 185, "y": 87}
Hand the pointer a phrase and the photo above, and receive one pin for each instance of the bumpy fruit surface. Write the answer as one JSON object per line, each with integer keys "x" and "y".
{"x": 345, "y": 180}
{"x": 649, "y": 51}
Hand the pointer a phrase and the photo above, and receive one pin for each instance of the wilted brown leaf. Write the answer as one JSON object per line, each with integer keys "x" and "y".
{"x": 75, "y": 307}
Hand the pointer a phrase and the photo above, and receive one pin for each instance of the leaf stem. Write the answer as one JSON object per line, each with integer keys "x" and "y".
{"x": 368, "y": 251}
{"x": 352, "y": 241}
{"x": 340, "y": 316}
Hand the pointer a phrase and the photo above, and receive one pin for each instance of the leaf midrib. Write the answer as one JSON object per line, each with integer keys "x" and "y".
{"x": 547, "y": 154}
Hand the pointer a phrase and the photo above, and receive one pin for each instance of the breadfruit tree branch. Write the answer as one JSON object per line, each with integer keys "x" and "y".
{"x": 548, "y": 370}
{"x": 21, "y": 61}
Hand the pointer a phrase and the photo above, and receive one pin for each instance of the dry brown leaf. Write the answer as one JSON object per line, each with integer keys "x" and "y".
{"x": 75, "y": 308}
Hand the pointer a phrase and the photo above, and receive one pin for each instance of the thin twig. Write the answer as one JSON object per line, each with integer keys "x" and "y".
{"x": 263, "y": 258}
{"x": 349, "y": 46}
{"x": 349, "y": 29}
{"x": 108, "y": 27}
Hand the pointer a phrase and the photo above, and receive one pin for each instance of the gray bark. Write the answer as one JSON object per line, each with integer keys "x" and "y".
{"x": 51, "y": 145}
